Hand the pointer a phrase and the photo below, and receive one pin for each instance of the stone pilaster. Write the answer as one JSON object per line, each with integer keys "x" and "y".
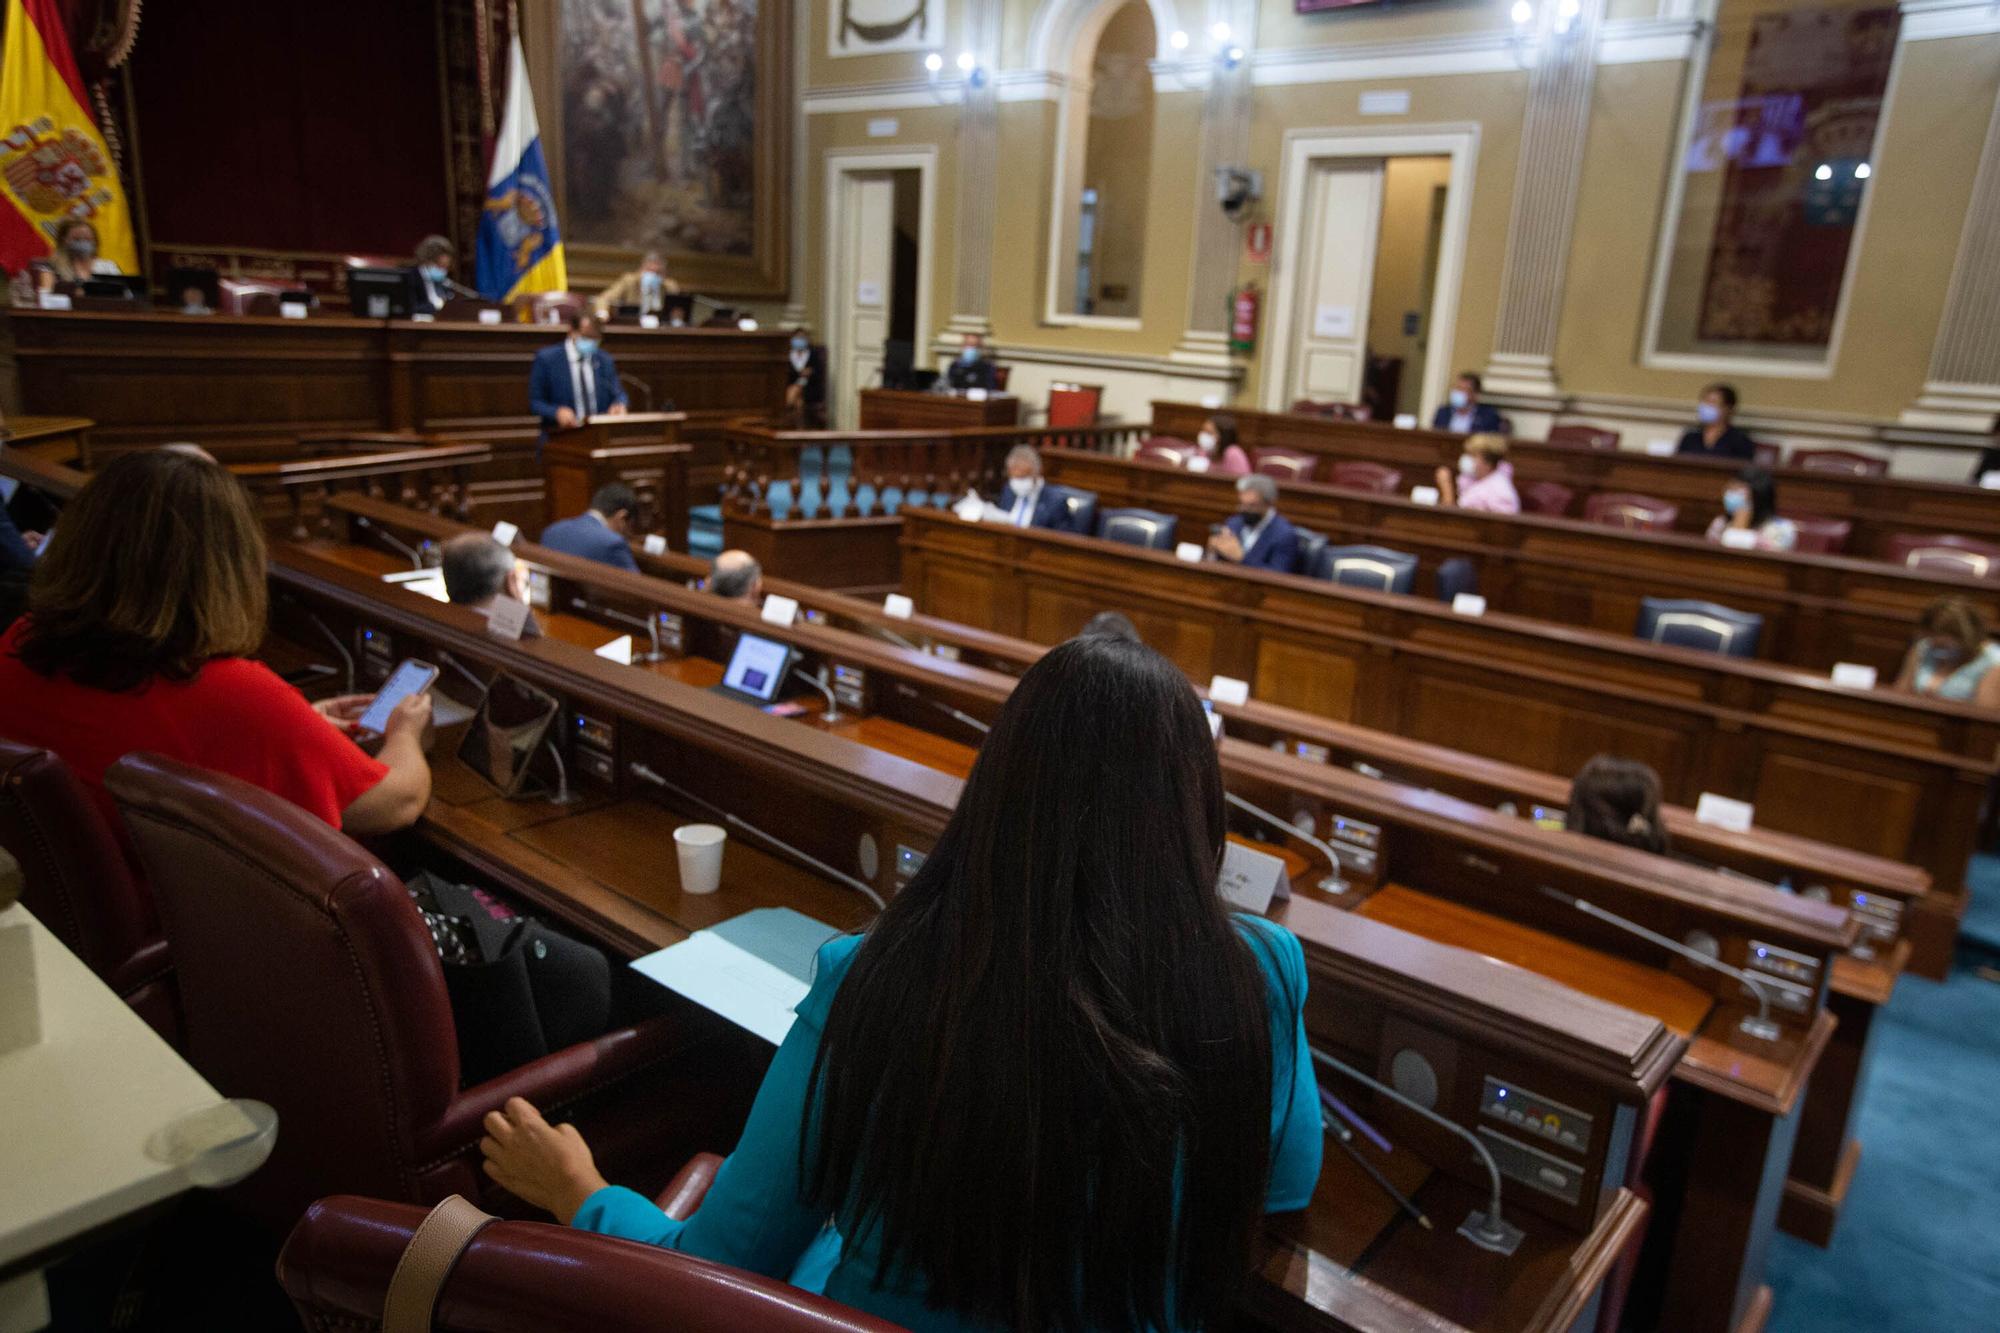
{"x": 1962, "y": 390}
{"x": 978, "y": 176}
{"x": 1225, "y": 142}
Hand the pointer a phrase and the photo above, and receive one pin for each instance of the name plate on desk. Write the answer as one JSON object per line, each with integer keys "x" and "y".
{"x": 1469, "y": 604}
{"x": 1990, "y": 480}
{"x": 1425, "y": 495}
{"x": 1724, "y": 812}
{"x": 1739, "y": 539}
{"x": 55, "y": 301}
{"x": 780, "y": 610}
{"x": 619, "y": 650}
{"x": 505, "y": 532}
{"x": 898, "y": 607}
{"x": 507, "y": 618}
{"x": 1229, "y": 690}
{"x": 1251, "y": 879}
{"x": 654, "y": 544}
{"x": 1188, "y": 551}
{"x": 1404, "y": 421}
{"x": 1661, "y": 448}
{"x": 489, "y": 316}
{"x": 975, "y": 395}
{"x": 1198, "y": 463}
{"x": 649, "y": 321}
{"x": 1854, "y": 675}
{"x": 293, "y": 310}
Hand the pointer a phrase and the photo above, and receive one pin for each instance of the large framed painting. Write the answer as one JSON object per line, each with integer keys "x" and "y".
{"x": 668, "y": 129}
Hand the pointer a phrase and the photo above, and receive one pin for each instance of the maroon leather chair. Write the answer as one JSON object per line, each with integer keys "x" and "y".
{"x": 79, "y": 884}
{"x": 537, "y": 1277}
{"x": 1072, "y": 405}
{"x": 1944, "y": 553}
{"x": 1844, "y": 461}
{"x": 308, "y": 980}
{"x": 1332, "y": 411}
{"x": 1284, "y": 464}
{"x": 1766, "y": 455}
{"x": 1358, "y": 475}
{"x": 1583, "y": 437}
{"x": 1547, "y": 497}
{"x": 1166, "y": 449}
{"x": 1622, "y": 509}
{"x": 1819, "y": 535}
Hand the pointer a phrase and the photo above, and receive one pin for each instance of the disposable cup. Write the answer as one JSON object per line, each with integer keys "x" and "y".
{"x": 700, "y": 848}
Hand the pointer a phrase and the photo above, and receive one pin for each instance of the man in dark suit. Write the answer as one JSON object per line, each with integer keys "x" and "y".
{"x": 1257, "y": 536}
{"x": 1026, "y": 501}
{"x": 576, "y": 379}
{"x": 805, "y": 388}
{"x": 599, "y": 532}
{"x": 430, "y": 277}
{"x": 972, "y": 370}
{"x": 1464, "y": 413}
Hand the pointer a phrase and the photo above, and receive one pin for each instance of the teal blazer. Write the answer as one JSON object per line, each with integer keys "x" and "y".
{"x": 752, "y": 1217}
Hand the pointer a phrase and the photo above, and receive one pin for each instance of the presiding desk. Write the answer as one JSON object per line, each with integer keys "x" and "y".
{"x": 1878, "y": 507}
{"x": 1886, "y": 773}
{"x": 909, "y": 409}
{"x": 1818, "y": 609}
{"x": 1609, "y": 968}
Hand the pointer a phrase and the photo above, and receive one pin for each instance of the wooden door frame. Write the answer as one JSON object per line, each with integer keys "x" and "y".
{"x": 844, "y": 162}
{"x": 1303, "y": 149}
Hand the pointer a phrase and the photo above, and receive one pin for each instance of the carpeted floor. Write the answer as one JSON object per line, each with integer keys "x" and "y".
{"x": 1918, "y": 1246}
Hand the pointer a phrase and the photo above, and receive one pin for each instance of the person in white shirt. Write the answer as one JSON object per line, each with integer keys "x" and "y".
{"x": 1749, "y": 516}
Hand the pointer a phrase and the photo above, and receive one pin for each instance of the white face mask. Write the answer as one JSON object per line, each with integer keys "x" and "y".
{"x": 1020, "y": 485}
{"x": 1467, "y": 465}
{"x": 1207, "y": 441}
{"x": 1459, "y": 398}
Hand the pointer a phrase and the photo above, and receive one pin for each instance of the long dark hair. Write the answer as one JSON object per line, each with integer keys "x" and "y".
{"x": 157, "y": 569}
{"x": 1763, "y": 494}
{"x": 1617, "y": 800}
{"x": 1046, "y": 1082}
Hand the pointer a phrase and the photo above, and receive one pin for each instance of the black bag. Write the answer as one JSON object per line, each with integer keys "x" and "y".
{"x": 518, "y": 989}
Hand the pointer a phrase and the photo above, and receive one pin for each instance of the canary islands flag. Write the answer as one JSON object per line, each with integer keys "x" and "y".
{"x": 520, "y": 249}
{"x": 53, "y": 163}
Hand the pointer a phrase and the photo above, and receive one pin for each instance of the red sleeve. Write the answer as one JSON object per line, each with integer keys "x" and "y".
{"x": 267, "y": 734}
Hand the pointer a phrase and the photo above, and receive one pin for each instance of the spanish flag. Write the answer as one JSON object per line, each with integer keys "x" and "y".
{"x": 53, "y": 163}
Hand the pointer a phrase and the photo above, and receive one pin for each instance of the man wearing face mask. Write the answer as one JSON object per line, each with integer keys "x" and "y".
{"x": 972, "y": 370}
{"x": 1027, "y": 501}
{"x": 73, "y": 260}
{"x": 805, "y": 389}
{"x": 645, "y": 289}
{"x": 575, "y": 380}
{"x": 1464, "y": 414}
{"x": 1717, "y": 435}
{"x": 1257, "y": 536}
{"x": 430, "y": 277}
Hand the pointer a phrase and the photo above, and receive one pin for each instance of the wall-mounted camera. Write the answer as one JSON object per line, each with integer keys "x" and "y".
{"x": 1237, "y": 188}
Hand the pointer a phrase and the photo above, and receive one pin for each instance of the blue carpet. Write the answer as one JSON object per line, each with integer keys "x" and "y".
{"x": 1918, "y": 1245}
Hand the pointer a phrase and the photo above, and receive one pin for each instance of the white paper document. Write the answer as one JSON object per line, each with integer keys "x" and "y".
{"x": 733, "y": 982}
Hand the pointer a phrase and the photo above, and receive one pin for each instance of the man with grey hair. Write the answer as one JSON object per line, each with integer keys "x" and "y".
{"x": 645, "y": 289}
{"x": 1257, "y": 536}
{"x": 479, "y": 571}
{"x": 1027, "y": 501}
{"x": 737, "y": 576}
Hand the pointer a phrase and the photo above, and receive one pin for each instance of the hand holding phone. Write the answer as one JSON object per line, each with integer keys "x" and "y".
{"x": 410, "y": 677}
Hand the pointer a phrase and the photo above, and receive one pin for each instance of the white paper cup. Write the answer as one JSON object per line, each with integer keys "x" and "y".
{"x": 700, "y": 848}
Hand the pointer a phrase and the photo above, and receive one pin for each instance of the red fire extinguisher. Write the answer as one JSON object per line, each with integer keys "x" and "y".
{"x": 1243, "y": 318}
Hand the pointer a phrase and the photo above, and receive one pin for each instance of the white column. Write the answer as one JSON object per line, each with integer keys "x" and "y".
{"x": 978, "y": 177}
{"x": 1546, "y": 181}
{"x": 1962, "y": 390}
{"x": 795, "y": 314}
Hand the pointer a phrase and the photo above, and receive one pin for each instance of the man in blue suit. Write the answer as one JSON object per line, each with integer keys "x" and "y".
{"x": 1465, "y": 414}
{"x": 1257, "y": 536}
{"x": 598, "y": 533}
{"x": 576, "y": 379}
{"x": 1027, "y": 501}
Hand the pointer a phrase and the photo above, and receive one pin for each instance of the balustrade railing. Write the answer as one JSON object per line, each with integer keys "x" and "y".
{"x": 407, "y": 469}
{"x": 803, "y": 475}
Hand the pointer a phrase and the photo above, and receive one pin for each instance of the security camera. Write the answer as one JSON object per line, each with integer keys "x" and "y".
{"x": 1235, "y": 188}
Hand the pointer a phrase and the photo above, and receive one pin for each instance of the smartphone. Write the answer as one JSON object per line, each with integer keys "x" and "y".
{"x": 410, "y": 677}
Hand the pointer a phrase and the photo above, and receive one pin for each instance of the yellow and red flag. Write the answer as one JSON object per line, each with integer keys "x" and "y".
{"x": 53, "y": 163}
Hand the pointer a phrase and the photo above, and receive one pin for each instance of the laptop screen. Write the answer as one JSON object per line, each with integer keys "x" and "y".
{"x": 757, "y": 667}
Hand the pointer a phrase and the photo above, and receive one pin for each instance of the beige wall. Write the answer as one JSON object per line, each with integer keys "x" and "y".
{"x": 1119, "y": 158}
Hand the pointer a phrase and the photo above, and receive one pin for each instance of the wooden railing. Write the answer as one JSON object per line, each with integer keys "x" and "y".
{"x": 408, "y": 469}
{"x": 781, "y": 475}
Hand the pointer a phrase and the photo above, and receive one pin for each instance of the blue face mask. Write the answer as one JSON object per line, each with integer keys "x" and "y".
{"x": 650, "y": 280}
{"x": 799, "y": 344}
{"x": 1735, "y": 501}
{"x": 1708, "y": 414}
{"x": 433, "y": 274}
{"x": 1459, "y": 398}
{"x": 586, "y": 347}
{"x": 969, "y": 355}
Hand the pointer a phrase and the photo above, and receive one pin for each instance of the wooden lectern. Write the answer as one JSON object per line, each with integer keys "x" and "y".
{"x": 641, "y": 449}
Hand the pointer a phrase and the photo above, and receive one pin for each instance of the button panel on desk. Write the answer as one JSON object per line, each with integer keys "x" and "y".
{"x": 1533, "y": 1114}
{"x": 595, "y": 745}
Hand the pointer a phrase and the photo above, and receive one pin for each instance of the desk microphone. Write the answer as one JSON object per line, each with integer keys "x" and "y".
{"x": 651, "y": 624}
{"x": 1760, "y": 1026}
{"x": 346, "y": 658}
{"x": 832, "y": 713}
{"x": 968, "y": 719}
{"x": 1331, "y": 883}
{"x": 403, "y": 548}
{"x": 463, "y": 290}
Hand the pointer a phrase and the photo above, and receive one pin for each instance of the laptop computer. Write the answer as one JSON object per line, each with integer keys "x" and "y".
{"x": 757, "y": 670}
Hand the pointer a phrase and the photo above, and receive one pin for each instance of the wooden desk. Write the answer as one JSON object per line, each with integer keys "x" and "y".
{"x": 59, "y": 439}
{"x": 1818, "y": 610}
{"x": 1889, "y": 774}
{"x": 1879, "y": 507}
{"x": 642, "y": 450}
{"x": 903, "y": 409}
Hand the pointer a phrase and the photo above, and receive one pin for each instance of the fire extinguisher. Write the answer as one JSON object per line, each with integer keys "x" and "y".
{"x": 1243, "y": 318}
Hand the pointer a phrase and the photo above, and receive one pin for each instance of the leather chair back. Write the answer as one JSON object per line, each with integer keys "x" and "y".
{"x": 1547, "y": 497}
{"x": 1000, "y": 375}
{"x": 1374, "y": 567}
{"x": 1944, "y": 553}
{"x": 1139, "y": 527}
{"x": 1583, "y": 437}
{"x": 553, "y": 307}
{"x": 1766, "y": 455}
{"x": 1072, "y": 405}
{"x": 1455, "y": 576}
{"x": 1310, "y": 545}
{"x": 78, "y": 882}
{"x": 1165, "y": 449}
{"x": 537, "y": 1277}
{"x": 1359, "y": 475}
{"x": 1844, "y": 461}
{"x": 1622, "y": 509}
{"x": 307, "y": 979}
{"x": 1821, "y": 536}
{"x": 244, "y": 296}
{"x": 1079, "y": 509}
{"x": 1686, "y": 623}
{"x": 1284, "y": 464}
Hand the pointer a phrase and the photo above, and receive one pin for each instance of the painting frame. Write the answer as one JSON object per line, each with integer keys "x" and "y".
{"x": 761, "y": 274}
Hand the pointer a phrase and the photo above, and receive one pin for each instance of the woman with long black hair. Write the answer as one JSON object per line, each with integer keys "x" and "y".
{"x": 1055, "y": 1084}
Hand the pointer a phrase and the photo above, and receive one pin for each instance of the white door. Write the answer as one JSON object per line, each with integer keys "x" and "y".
{"x": 863, "y": 248}
{"x": 1342, "y": 218}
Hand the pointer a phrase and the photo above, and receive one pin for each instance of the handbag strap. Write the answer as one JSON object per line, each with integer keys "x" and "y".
{"x": 427, "y": 1260}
